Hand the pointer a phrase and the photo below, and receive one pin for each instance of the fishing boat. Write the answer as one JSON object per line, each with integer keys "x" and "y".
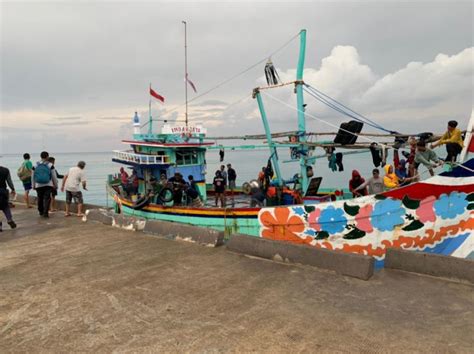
{"x": 434, "y": 215}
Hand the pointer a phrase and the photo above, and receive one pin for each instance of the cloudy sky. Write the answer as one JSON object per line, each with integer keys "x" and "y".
{"x": 73, "y": 73}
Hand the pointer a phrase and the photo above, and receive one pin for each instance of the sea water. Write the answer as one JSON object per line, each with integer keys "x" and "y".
{"x": 247, "y": 164}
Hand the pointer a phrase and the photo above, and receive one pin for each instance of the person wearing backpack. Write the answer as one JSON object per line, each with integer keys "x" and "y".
{"x": 24, "y": 174}
{"x": 44, "y": 180}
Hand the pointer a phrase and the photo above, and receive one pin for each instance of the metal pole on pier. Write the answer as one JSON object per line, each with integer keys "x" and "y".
{"x": 185, "y": 74}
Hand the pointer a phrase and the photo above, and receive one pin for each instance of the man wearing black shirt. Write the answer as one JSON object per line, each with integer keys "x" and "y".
{"x": 219, "y": 188}
{"x": 231, "y": 176}
{"x": 5, "y": 179}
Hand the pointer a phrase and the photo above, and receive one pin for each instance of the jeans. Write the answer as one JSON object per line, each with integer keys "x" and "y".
{"x": 8, "y": 213}
{"x": 44, "y": 199}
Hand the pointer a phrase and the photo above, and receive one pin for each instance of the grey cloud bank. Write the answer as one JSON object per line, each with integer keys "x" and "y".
{"x": 402, "y": 64}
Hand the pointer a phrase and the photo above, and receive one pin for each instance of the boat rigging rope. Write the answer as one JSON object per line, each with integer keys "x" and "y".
{"x": 462, "y": 166}
{"x": 322, "y": 120}
{"x": 238, "y": 74}
{"x": 341, "y": 108}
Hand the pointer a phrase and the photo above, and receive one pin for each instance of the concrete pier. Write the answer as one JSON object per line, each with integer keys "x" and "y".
{"x": 67, "y": 285}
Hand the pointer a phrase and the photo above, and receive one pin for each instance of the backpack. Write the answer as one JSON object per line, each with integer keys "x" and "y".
{"x": 23, "y": 172}
{"x": 42, "y": 173}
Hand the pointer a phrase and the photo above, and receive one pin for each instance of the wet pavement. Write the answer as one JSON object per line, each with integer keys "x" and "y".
{"x": 67, "y": 285}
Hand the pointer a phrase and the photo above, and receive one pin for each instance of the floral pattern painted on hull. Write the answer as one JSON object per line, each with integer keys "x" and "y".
{"x": 369, "y": 225}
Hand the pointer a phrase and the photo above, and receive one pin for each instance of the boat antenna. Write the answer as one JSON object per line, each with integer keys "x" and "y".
{"x": 185, "y": 74}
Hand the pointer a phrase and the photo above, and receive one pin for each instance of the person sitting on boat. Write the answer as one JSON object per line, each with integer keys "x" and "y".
{"x": 124, "y": 180}
{"x": 355, "y": 182}
{"x": 153, "y": 188}
{"x": 453, "y": 141}
{"x": 194, "y": 197}
{"x": 410, "y": 156}
{"x": 219, "y": 188}
{"x": 178, "y": 185}
{"x": 261, "y": 176}
{"x": 400, "y": 165}
{"x": 426, "y": 157}
{"x": 390, "y": 179}
{"x": 133, "y": 183}
{"x": 375, "y": 183}
{"x": 257, "y": 197}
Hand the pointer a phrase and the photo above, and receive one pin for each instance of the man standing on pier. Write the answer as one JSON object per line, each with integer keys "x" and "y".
{"x": 72, "y": 181}
{"x": 44, "y": 181}
{"x": 5, "y": 179}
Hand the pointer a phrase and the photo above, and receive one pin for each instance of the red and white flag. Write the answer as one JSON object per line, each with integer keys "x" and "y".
{"x": 156, "y": 95}
{"x": 190, "y": 83}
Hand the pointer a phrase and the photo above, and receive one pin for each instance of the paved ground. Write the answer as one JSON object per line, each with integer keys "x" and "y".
{"x": 67, "y": 286}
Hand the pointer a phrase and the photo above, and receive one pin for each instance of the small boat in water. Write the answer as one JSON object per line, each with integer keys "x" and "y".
{"x": 435, "y": 215}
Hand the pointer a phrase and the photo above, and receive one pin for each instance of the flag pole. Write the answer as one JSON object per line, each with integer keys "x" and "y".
{"x": 149, "y": 113}
{"x": 185, "y": 74}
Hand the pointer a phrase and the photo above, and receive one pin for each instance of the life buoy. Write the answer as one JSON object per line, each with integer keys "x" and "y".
{"x": 166, "y": 195}
{"x": 141, "y": 203}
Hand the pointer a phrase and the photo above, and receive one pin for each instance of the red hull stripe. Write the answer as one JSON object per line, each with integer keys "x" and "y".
{"x": 422, "y": 190}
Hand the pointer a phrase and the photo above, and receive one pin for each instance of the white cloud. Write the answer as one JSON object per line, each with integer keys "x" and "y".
{"x": 417, "y": 97}
{"x": 420, "y": 96}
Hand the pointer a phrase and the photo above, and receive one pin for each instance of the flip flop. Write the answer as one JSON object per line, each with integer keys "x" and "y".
{"x": 66, "y": 215}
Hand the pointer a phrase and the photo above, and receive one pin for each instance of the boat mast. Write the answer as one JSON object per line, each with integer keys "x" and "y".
{"x": 185, "y": 74}
{"x": 303, "y": 148}
{"x": 150, "y": 120}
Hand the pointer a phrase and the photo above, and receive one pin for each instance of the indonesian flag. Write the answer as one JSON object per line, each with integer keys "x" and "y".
{"x": 156, "y": 95}
{"x": 190, "y": 83}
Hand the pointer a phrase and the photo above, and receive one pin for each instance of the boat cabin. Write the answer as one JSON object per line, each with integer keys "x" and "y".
{"x": 175, "y": 150}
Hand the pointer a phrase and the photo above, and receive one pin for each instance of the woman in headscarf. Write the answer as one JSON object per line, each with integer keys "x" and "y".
{"x": 355, "y": 182}
{"x": 390, "y": 179}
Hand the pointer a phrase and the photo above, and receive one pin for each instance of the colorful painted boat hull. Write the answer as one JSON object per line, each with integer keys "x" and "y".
{"x": 436, "y": 215}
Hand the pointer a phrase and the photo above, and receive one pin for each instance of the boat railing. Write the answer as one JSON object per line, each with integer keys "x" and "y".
{"x": 142, "y": 159}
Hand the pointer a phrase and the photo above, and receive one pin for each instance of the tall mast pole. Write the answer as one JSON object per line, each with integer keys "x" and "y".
{"x": 301, "y": 118}
{"x": 150, "y": 120}
{"x": 185, "y": 74}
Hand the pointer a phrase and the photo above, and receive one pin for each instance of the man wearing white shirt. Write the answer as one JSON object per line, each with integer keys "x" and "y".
{"x": 72, "y": 182}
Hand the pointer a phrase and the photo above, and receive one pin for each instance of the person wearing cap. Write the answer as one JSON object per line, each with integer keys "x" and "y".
{"x": 453, "y": 141}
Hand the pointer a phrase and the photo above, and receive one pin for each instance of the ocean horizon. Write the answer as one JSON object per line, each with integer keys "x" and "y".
{"x": 246, "y": 163}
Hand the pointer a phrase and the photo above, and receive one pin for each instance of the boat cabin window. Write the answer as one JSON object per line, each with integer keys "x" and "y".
{"x": 186, "y": 158}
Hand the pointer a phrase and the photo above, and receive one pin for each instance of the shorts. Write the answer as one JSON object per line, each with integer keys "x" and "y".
{"x": 76, "y": 195}
{"x": 27, "y": 185}
{"x": 231, "y": 184}
{"x": 54, "y": 192}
